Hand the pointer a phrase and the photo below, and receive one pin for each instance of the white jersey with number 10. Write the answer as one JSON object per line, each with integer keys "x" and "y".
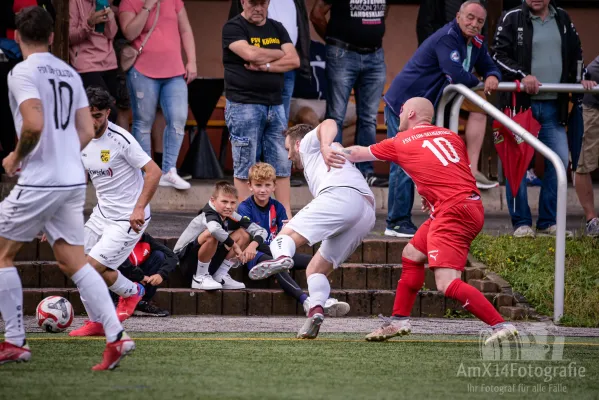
{"x": 55, "y": 163}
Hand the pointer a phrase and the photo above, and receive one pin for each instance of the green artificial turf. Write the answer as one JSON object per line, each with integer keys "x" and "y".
{"x": 275, "y": 366}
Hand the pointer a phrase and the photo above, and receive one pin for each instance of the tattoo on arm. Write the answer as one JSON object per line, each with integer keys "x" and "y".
{"x": 29, "y": 137}
{"x": 347, "y": 151}
{"x": 27, "y": 143}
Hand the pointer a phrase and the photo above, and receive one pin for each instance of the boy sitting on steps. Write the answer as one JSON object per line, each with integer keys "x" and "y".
{"x": 271, "y": 215}
{"x": 209, "y": 232}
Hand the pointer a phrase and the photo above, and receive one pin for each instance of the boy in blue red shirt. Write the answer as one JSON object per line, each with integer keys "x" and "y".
{"x": 267, "y": 212}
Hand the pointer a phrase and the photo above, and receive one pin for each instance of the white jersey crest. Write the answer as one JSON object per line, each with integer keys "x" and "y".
{"x": 113, "y": 163}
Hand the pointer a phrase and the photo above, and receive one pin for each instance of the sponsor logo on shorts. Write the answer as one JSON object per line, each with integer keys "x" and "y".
{"x": 105, "y": 155}
{"x": 96, "y": 173}
{"x": 433, "y": 254}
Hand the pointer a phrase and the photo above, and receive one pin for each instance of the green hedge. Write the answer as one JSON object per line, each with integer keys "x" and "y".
{"x": 529, "y": 265}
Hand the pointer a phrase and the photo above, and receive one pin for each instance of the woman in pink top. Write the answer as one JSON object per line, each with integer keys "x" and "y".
{"x": 91, "y": 51}
{"x": 160, "y": 76}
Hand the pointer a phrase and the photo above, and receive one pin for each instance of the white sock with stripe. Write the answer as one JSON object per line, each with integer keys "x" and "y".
{"x": 96, "y": 299}
{"x": 11, "y": 306}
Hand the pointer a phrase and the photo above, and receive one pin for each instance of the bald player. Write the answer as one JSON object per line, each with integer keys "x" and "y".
{"x": 436, "y": 160}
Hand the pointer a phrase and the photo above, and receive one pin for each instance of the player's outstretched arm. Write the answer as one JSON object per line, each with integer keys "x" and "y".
{"x": 33, "y": 124}
{"x": 152, "y": 174}
{"x": 84, "y": 125}
{"x": 357, "y": 154}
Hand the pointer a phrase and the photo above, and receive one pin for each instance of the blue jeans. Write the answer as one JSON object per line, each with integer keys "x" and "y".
{"x": 553, "y": 135}
{"x": 145, "y": 94}
{"x": 287, "y": 92}
{"x": 366, "y": 74}
{"x": 256, "y": 126}
{"x": 401, "y": 187}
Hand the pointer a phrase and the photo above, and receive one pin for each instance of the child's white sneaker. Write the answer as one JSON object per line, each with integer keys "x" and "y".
{"x": 205, "y": 282}
{"x": 229, "y": 283}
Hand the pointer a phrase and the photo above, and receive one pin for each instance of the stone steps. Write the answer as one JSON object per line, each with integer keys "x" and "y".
{"x": 351, "y": 276}
{"x": 265, "y": 302}
{"x": 367, "y": 281}
{"x": 372, "y": 251}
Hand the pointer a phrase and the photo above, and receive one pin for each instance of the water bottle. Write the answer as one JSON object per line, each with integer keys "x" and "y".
{"x": 100, "y": 6}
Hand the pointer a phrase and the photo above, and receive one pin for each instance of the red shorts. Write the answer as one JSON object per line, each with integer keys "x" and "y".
{"x": 446, "y": 239}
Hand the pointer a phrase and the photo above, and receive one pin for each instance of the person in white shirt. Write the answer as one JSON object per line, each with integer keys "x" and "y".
{"x": 341, "y": 214}
{"x": 53, "y": 122}
{"x": 114, "y": 162}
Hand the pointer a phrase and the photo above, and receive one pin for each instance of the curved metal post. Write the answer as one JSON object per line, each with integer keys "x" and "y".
{"x": 560, "y": 239}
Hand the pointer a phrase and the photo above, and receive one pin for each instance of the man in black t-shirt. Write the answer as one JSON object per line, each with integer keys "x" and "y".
{"x": 257, "y": 52}
{"x": 355, "y": 60}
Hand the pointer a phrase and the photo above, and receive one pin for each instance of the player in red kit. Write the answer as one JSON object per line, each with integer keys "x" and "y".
{"x": 436, "y": 160}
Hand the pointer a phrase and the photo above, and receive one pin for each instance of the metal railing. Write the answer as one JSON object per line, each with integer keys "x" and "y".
{"x": 460, "y": 92}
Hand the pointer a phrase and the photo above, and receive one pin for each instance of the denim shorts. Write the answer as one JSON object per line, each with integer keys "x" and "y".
{"x": 254, "y": 127}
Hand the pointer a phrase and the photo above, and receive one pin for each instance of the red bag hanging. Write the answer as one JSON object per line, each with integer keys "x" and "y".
{"x": 515, "y": 154}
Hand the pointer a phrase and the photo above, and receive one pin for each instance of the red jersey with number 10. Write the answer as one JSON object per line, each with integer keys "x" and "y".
{"x": 436, "y": 160}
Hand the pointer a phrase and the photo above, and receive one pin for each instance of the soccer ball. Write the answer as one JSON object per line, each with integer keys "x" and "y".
{"x": 54, "y": 314}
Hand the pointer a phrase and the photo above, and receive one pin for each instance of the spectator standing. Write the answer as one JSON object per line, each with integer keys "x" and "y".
{"x": 91, "y": 51}
{"x": 432, "y": 15}
{"x": 257, "y": 51}
{"x": 537, "y": 43}
{"x": 448, "y": 56}
{"x": 160, "y": 76}
{"x": 355, "y": 60}
{"x": 589, "y": 156}
{"x": 294, "y": 17}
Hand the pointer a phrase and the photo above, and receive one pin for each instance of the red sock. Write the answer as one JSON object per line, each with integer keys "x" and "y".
{"x": 410, "y": 282}
{"x": 316, "y": 310}
{"x": 474, "y": 301}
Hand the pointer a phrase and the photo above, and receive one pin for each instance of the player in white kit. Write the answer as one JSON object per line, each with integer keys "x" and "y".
{"x": 341, "y": 214}
{"x": 114, "y": 162}
{"x": 53, "y": 122}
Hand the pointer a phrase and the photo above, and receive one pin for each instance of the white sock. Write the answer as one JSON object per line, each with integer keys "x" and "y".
{"x": 11, "y": 306}
{"x": 319, "y": 289}
{"x": 124, "y": 287}
{"x": 223, "y": 270}
{"x": 202, "y": 268}
{"x": 96, "y": 299}
{"x": 283, "y": 245}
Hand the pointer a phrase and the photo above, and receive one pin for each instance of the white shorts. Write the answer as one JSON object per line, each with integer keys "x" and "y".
{"x": 59, "y": 214}
{"x": 110, "y": 242}
{"x": 340, "y": 218}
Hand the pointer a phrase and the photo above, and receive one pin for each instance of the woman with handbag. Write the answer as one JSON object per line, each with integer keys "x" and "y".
{"x": 156, "y": 74}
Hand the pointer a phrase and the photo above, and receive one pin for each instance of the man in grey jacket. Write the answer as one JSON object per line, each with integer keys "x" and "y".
{"x": 589, "y": 154}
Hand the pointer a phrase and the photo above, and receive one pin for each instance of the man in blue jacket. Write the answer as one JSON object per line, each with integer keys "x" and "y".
{"x": 446, "y": 57}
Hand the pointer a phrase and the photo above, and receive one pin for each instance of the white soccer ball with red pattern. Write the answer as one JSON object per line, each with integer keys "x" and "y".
{"x": 54, "y": 314}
